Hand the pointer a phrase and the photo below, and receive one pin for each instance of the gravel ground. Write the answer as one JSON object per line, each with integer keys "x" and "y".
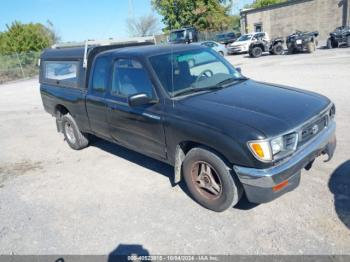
{"x": 54, "y": 200}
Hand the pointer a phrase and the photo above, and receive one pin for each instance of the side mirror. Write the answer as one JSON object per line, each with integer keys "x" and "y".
{"x": 139, "y": 100}
{"x": 239, "y": 70}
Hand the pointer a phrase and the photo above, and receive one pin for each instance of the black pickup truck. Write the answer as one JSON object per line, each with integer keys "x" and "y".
{"x": 187, "y": 106}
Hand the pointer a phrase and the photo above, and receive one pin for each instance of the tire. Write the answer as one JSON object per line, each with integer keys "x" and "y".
{"x": 256, "y": 51}
{"x": 75, "y": 139}
{"x": 291, "y": 50}
{"x": 250, "y": 53}
{"x": 199, "y": 180}
{"x": 329, "y": 44}
{"x": 348, "y": 40}
{"x": 335, "y": 44}
{"x": 277, "y": 49}
{"x": 221, "y": 53}
{"x": 310, "y": 47}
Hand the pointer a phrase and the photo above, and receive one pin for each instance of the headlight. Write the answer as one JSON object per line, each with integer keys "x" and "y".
{"x": 276, "y": 145}
{"x": 274, "y": 149}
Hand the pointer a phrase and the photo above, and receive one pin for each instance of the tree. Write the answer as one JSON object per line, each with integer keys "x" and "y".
{"x": 263, "y": 3}
{"x": 206, "y": 15}
{"x": 143, "y": 26}
{"x": 52, "y": 31}
{"x": 25, "y": 37}
{"x": 236, "y": 22}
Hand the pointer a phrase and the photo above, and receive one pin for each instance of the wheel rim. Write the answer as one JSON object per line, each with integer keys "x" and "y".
{"x": 69, "y": 132}
{"x": 206, "y": 180}
{"x": 257, "y": 52}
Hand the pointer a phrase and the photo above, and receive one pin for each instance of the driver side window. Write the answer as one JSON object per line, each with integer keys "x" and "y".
{"x": 129, "y": 78}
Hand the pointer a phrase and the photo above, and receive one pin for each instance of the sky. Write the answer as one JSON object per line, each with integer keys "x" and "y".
{"x": 78, "y": 20}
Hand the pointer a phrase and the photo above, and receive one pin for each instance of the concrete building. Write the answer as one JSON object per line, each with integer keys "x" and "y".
{"x": 282, "y": 19}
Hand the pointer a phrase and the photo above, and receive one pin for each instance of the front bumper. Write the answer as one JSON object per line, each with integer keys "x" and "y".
{"x": 299, "y": 47}
{"x": 237, "y": 49}
{"x": 259, "y": 184}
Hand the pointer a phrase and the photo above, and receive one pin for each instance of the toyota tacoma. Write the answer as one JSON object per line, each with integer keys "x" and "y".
{"x": 225, "y": 134}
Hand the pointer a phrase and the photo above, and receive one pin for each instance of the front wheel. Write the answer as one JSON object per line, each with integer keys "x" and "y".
{"x": 210, "y": 181}
{"x": 291, "y": 50}
{"x": 256, "y": 51}
{"x": 74, "y": 137}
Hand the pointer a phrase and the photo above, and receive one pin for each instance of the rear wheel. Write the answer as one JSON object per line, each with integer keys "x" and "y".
{"x": 310, "y": 47}
{"x": 348, "y": 40}
{"x": 74, "y": 137}
{"x": 256, "y": 51}
{"x": 210, "y": 181}
{"x": 278, "y": 49}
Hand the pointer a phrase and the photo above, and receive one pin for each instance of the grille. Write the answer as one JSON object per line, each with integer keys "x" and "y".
{"x": 311, "y": 130}
{"x": 290, "y": 141}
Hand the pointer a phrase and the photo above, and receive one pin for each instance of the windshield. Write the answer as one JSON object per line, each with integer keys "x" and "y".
{"x": 244, "y": 38}
{"x": 193, "y": 71}
{"x": 220, "y": 37}
{"x": 177, "y": 35}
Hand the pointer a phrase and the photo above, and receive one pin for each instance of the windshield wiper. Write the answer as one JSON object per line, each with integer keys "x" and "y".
{"x": 217, "y": 86}
{"x": 195, "y": 90}
{"x": 231, "y": 80}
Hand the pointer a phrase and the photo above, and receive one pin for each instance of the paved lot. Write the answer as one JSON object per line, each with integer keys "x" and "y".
{"x": 54, "y": 200}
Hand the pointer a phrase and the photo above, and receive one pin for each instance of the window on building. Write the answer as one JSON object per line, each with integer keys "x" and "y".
{"x": 258, "y": 27}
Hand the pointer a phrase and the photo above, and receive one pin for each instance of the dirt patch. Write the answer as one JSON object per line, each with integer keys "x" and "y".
{"x": 16, "y": 169}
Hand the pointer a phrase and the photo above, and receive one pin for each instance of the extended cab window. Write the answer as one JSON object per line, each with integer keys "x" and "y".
{"x": 129, "y": 78}
{"x": 100, "y": 74}
{"x": 64, "y": 72}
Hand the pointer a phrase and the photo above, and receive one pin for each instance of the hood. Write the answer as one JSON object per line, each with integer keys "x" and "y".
{"x": 267, "y": 108}
{"x": 240, "y": 43}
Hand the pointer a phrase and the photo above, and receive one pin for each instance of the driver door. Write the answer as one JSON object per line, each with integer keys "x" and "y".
{"x": 139, "y": 128}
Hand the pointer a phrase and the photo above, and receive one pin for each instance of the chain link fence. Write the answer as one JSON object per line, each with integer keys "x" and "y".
{"x": 18, "y": 66}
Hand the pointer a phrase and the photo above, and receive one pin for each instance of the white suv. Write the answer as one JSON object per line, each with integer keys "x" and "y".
{"x": 241, "y": 45}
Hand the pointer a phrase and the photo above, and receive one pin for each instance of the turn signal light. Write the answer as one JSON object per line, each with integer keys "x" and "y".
{"x": 258, "y": 150}
{"x": 261, "y": 149}
{"x": 280, "y": 186}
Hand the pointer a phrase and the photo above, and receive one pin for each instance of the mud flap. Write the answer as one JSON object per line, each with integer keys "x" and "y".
{"x": 179, "y": 158}
{"x": 59, "y": 125}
